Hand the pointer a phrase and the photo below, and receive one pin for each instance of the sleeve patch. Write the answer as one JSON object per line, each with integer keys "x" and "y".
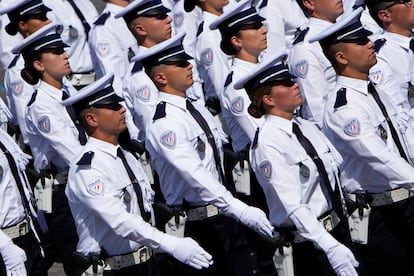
{"x": 168, "y": 139}
{"x": 143, "y": 93}
{"x": 301, "y": 68}
{"x": 352, "y": 128}
{"x": 237, "y": 105}
{"x": 44, "y": 124}
{"x": 266, "y": 169}
{"x": 17, "y": 87}
{"x": 207, "y": 56}
{"x": 178, "y": 19}
{"x": 103, "y": 48}
{"x": 95, "y": 188}
{"x": 376, "y": 77}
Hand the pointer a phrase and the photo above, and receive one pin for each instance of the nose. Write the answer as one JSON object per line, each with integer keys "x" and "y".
{"x": 169, "y": 19}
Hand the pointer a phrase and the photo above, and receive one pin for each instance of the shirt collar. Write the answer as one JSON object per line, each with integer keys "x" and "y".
{"x": 355, "y": 84}
{"x": 401, "y": 40}
{"x": 244, "y": 65}
{"x": 279, "y": 122}
{"x": 51, "y": 90}
{"x": 319, "y": 24}
{"x": 106, "y": 147}
{"x": 173, "y": 99}
{"x": 114, "y": 9}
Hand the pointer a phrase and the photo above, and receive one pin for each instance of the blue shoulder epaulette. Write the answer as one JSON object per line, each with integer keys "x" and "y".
{"x": 255, "y": 139}
{"x": 300, "y": 35}
{"x": 159, "y": 111}
{"x": 86, "y": 159}
{"x": 263, "y": 4}
{"x": 14, "y": 61}
{"x": 229, "y": 79}
{"x": 340, "y": 98}
{"x": 33, "y": 98}
{"x": 102, "y": 19}
{"x": 378, "y": 44}
{"x": 200, "y": 28}
{"x": 137, "y": 67}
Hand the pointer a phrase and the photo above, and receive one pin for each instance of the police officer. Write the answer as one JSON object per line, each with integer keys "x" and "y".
{"x": 110, "y": 196}
{"x": 185, "y": 145}
{"x": 53, "y": 136}
{"x": 20, "y": 247}
{"x": 150, "y": 24}
{"x": 76, "y": 18}
{"x": 299, "y": 180}
{"x": 26, "y": 17}
{"x": 376, "y": 176}
{"x": 112, "y": 44}
{"x": 307, "y": 61}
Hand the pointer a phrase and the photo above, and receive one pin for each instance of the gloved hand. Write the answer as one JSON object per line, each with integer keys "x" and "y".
{"x": 256, "y": 219}
{"x": 188, "y": 251}
{"x": 14, "y": 258}
{"x": 342, "y": 260}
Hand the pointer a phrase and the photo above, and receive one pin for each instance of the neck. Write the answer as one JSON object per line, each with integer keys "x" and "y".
{"x": 173, "y": 91}
{"x": 246, "y": 56}
{"x": 106, "y": 137}
{"x": 288, "y": 115}
{"x": 400, "y": 31}
{"x": 53, "y": 82}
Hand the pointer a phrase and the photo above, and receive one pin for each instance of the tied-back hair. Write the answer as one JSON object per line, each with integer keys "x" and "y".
{"x": 29, "y": 73}
{"x": 256, "y": 108}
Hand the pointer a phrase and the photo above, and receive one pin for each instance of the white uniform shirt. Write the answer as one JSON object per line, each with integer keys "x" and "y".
{"x": 63, "y": 14}
{"x": 183, "y": 158}
{"x": 359, "y": 131}
{"x": 240, "y": 124}
{"x": 314, "y": 72}
{"x": 52, "y": 134}
{"x": 283, "y": 18}
{"x": 290, "y": 178}
{"x": 111, "y": 44}
{"x": 212, "y": 63}
{"x": 98, "y": 198}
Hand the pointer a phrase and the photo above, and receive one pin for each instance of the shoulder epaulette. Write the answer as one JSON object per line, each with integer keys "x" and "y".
{"x": 102, "y": 19}
{"x": 263, "y": 4}
{"x": 13, "y": 62}
{"x": 300, "y": 35}
{"x": 200, "y": 28}
{"x": 229, "y": 79}
{"x": 255, "y": 139}
{"x": 378, "y": 44}
{"x": 340, "y": 98}
{"x": 86, "y": 159}
{"x": 137, "y": 67}
{"x": 33, "y": 98}
{"x": 159, "y": 111}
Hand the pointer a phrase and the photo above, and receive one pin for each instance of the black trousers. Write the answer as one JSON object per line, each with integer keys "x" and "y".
{"x": 225, "y": 240}
{"x": 390, "y": 248}
{"x": 309, "y": 260}
{"x": 144, "y": 269}
{"x": 61, "y": 239}
{"x": 35, "y": 264}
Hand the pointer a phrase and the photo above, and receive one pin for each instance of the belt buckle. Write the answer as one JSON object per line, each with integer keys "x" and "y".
{"x": 202, "y": 213}
{"x": 328, "y": 223}
{"x": 23, "y": 228}
{"x": 144, "y": 254}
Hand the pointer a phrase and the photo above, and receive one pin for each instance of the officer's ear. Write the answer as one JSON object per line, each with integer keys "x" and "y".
{"x": 90, "y": 118}
{"x": 39, "y": 66}
{"x": 309, "y": 4}
{"x": 160, "y": 78}
{"x": 236, "y": 42}
{"x": 385, "y": 16}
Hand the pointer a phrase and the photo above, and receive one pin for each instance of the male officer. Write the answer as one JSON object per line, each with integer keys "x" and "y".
{"x": 185, "y": 145}
{"x": 375, "y": 172}
{"x": 307, "y": 61}
{"x": 110, "y": 196}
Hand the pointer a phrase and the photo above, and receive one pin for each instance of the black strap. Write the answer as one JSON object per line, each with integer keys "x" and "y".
{"x": 18, "y": 180}
{"x": 210, "y": 137}
{"x": 412, "y": 44}
{"x": 82, "y": 18}
{"x": 82, "y": 135}
{"x": 374, "y": 93}
{"x": 137, "y": 188}
{"x": 333, "y": 196}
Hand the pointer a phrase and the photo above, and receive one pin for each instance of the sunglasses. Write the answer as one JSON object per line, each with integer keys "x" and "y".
{"x": 160, "y": 16}
{"x": 111, "y": 106}
{"x": 251, "y": 26}
{"x": 178, "y": 63}
{"x": 37, "y": 16}
{"x": 55, "y": 51}
{"x": 407, "y": 3}
{"x": 359, "y": 41}
{"x": 286, "y": 83}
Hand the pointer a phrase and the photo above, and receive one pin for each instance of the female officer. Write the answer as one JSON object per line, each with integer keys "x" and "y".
{"x": 296, "y": 167}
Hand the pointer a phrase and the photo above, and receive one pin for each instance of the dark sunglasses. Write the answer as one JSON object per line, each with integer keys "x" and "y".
{"x": 286, "y": 83}
{"x": 160, "y": 16}
{"x": 56, "y": 51}
{"x": 359, "y": 41}
{"x": 111, "y": 106}
{"x": 407, "y": 3}
{"x": 178, "y": 63}
{"x": 37, "y": 16}
{"x": 251, "y": 26}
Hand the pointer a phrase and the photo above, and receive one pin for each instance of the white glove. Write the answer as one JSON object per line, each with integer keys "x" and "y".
{"x": 14, "y": 258}
{"x": 256, "y": 219}
{"x": 342, "y": 260}
{"x": 187, "y": 251}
